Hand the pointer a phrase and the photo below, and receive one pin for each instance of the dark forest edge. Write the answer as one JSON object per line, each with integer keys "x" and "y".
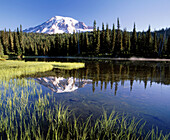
{"x": 105, "y": 43}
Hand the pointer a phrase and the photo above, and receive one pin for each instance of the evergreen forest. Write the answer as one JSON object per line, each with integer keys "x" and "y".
{"x": 100, "y": 43}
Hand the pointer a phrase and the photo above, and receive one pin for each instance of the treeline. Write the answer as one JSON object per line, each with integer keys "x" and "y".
{"x": 106, "y": 42}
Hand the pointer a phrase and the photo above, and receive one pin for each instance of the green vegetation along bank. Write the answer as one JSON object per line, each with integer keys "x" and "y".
{"x": 10, "y": 69}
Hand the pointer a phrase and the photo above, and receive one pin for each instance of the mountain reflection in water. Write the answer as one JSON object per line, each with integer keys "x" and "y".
{"x": 61, "y": 84}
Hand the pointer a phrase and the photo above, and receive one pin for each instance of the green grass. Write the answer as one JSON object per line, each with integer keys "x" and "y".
{"x": 69, "y": 66}
{"x": 10, "y": 68}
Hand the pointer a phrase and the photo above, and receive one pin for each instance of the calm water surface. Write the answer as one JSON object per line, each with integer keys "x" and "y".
{"x": 137, "y": 89}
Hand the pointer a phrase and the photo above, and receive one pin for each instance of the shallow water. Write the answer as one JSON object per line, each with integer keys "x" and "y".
{"x": 138, "y": 89}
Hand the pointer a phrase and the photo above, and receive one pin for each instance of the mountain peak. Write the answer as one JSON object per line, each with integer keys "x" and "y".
{"x": 60, "y": 24}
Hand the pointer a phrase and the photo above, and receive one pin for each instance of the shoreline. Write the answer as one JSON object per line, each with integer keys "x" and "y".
{"x": 103, "y": 58}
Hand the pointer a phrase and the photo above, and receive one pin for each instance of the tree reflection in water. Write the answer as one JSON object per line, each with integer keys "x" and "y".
{"x": 114, "y": 72}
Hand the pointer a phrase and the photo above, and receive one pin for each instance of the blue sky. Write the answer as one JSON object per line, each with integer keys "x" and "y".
{"x": 30, "y": 13}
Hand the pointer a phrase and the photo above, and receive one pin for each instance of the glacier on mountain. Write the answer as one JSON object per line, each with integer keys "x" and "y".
{"x": 59, "y": 24}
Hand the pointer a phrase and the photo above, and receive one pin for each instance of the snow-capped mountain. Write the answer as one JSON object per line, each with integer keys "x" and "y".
{"x": 59, "y": 24}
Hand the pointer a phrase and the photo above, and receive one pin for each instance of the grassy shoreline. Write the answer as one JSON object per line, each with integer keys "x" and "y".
{"x": 13, "y": 68}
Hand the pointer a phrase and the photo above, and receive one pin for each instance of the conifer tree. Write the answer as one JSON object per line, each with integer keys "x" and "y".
{"x": 155, "y": 49}
{"x": 168, "y": 47}
{"x": 47, "y": 46}
{"x": 35, "y": 49}
{"x": 5, "y": 44}
{"x": 129, "y": 44}
{"x": 118, "y": 42}
{"x": 107, "y": 39}
{"x": 148, "y": 42}
{"x": 2, "y": 39}
{"x": 86, "y": 42}
{"x": 74, "y": 51}
{"x": 102, "y": 39}
{"x": 134, "y": 41}
{"x": 160, "y": 42}
{"x": 11, "y": 43}
{"x": 125, "y": 42}
{"x": 56, "y": 45}
{"x": 143, "y": 44}
{"x": 94, "y": 36}
{"x": 42, "y": 47}
{"x": 16, "y": 45}
{"x": 1, "y": 49}
{"x": 113, "y": 37}
{"x": 67, "y": 46}
{"x": 65, "y": 49}
{"x": 164, "y": 46}
{"x": 70, "y": 45}
{"x": 21, "y": 38}
{"x": 139, "y": 39}
{"x": 98, "y": 41}
{"x": 52, "y": 49}
{"x": 81, "y": 42}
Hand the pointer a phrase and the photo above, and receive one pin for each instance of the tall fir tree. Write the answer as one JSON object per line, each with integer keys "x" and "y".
{"x": 125, "y": 42}
{"x": 11, "y": 43}
{"x": 86, "y": 43}
{"x": 128, "y": 45}
{"x": 139, "y": 39}
{"x": 16, "y": 45}
{"x": 118, "y": 42}
{"x": 81, "y": 42}
{"x": 143, "y": 44}
{"x": 70, "y": 45}
{"x": 134, "y": 41}
{"x": 160, "y": 42}
{"x": 35, "y": 49}
{"x": 107, "y": 39}
{"x": 18, "y": 32}
{"x": 168, "y": 47}
{"x": 164, "y": 46}
{"x": 98, "y": 42}
{"x": 74, "y": 51}
{"x": 1, "y": 49}
{"x": 94, "y": 45}
{"x": 102, "y": 39}
{"x": 149, "y": 42}
{"x": 5, "y": 43}
{"x": 113, "y": 37}
{"x": 21, "y": 39}
{"x": 67, "y": 46}
{"x": 155, "y": 46}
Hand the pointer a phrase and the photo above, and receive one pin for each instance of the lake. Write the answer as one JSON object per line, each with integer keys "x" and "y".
{"x": 134, "y": 88}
